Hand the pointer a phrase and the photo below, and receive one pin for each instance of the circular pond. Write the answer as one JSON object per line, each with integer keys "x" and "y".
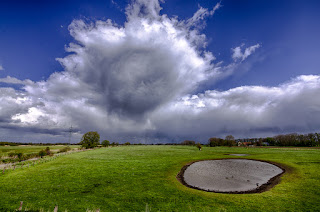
{"x": 230, "y": 175}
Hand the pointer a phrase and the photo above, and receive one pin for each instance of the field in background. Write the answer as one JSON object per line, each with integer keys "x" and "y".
{"x": 29, "y": 149}
{"x": 133, "y": 178}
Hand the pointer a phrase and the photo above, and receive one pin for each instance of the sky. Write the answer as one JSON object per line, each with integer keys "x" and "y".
{"x": 145, "y": 71}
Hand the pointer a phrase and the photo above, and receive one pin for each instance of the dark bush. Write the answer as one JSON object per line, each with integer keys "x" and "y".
{"x": 48, "y": 152}
{"x": 105, "y": 143}
{"x": 42, "y": 153}
{"x": 32, "y": 155}
{"x": 216, "y": 142}
{"x": 20, "y": 156}
{"x": 188, "y": 142}
{"x": 114, "y": 144}
{"x": 65, "y": 149}
{"x": 12, "y": 154}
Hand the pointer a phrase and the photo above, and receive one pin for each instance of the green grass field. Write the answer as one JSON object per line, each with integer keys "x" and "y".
{"x": 28, "y": 149}
{"x": 133, "y": 178}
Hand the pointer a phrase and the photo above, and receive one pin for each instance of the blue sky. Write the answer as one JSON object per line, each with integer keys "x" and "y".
{"x": 31, "y": 33}
{"x": 284, "y": 36}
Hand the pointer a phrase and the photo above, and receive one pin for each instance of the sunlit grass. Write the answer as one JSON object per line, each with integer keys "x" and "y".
{"x": 133, "y": 178}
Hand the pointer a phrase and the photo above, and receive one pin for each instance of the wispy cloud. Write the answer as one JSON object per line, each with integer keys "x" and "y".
{"x": 238, "y": 54}
{"x": 198, "y": 19}
{"x": 1, "y": 68}
{"x": 13, "y": 80}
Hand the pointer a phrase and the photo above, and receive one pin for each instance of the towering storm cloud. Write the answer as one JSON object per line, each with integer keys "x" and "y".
{"x": 141, "y": 66}
{"x": 143, "y": 78}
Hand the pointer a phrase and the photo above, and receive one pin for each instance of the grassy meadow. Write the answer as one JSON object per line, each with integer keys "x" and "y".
{"x": 29, "y": 149}
{"x": 143, "y": 178}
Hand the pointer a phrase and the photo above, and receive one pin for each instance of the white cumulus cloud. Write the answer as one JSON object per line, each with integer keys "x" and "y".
{"x": 246, "y": 111}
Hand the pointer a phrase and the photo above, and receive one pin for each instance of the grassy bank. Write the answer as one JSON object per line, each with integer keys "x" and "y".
{"x": 131, "y": 178}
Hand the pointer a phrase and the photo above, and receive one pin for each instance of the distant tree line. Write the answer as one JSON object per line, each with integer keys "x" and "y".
{"x": 92, "y": 139}
{"x": 6, "y": 143}
{"x": 292, "y": 139}
{"x": 228, "y": 141}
